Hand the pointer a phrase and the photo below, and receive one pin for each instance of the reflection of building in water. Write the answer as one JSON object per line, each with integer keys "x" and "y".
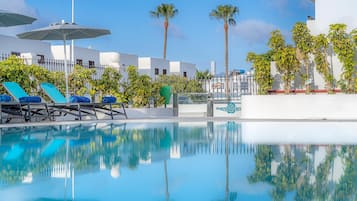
{"x": 109, "y": 149}
{"x": 57, "y": 170}
{"x": 317, "y": 154}
{"x": 209, "y": 139}
{"x": 28, "y": 178}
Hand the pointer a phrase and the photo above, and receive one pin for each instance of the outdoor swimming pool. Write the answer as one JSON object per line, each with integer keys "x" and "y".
{"x": 180, "y": 161}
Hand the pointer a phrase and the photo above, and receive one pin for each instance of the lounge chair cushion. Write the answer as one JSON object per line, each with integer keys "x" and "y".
{"x": 79, "y": 99}
{"x": 109, "y": 99}
{"x": 5, "y": 98}
{"x": 30, "y": 99}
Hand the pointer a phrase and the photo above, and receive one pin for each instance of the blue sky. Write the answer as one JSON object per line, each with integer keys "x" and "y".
{"x": 193, "y": 36}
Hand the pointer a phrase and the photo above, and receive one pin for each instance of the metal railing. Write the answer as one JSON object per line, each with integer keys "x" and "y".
{"x": 55, "y": 64}
{"x": 238, "y": 85}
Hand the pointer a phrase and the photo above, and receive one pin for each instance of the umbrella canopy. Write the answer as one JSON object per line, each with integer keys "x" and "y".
{"x": 64, "y": 31}
{"x": 8, "y": 18}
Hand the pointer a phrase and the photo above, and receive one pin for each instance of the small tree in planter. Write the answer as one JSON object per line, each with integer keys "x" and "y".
{"x": 344, "y": 47}
{"x": 285, "y": 58}
{"x": 13, "y": 69}
{"x": 138, "y": 90}
{"x": 109, "y": 84}
{"x": 80, "y": 79}
{"x": 320, "y": 57}
{"x": 58, "y": 80}
{"x": 304, "y": 47}
{"x": 261, "y": 64}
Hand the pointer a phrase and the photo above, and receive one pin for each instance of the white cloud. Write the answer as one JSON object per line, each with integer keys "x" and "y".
{"x": 284, "y": 7}
{"x": 18, "y": 6}
{"x": 279, "y": 4}
{"x": 306, "y": 3}
{"x": 253, "y": 31}
{"x": 174, "y": 31}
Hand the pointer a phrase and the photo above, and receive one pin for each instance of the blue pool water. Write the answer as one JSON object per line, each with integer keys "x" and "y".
{"x": 180, "y": 161}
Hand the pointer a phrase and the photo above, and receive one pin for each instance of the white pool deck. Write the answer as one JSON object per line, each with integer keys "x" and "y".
{"x": 254, "y": 109}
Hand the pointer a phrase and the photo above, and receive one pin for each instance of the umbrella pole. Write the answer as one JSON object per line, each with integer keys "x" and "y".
{"x": 65, "y": 66}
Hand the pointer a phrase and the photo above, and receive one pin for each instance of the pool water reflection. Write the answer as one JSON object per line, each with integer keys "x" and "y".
{"x": 180, "y": 161}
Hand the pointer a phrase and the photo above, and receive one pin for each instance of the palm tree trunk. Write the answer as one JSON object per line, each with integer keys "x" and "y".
{"x": 166, "y": 25}
{"x": 226, "y": 56}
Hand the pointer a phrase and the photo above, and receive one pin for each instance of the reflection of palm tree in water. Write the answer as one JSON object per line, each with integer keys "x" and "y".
{"x": 167, "y": 195}
{"x": 227, "y": 165}
{"x": 231, "y": 127}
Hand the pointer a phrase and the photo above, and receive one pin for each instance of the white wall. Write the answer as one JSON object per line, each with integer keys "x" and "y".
{"x": 324, "y": 106}
{"x": 11, "y": 44}
{"x": 147, "y": 66}
{"x": 119, "y": 61}
{"x": 280, "y": 133}
{"x": 327, "y": 12}
{"x": 334, "y": 11}
{"x": 178, "y": 68}
{"x": 85, "y": 54}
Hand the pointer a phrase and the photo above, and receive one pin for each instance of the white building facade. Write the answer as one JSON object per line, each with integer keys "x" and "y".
{"x": 119, "y": 61}
{"x": 82, "y": 56}
{"x": 52, "y": 57}
{"x": 153, "y": 67}
{"x": 183, "y": 69}
{"x": 327, "y": 12}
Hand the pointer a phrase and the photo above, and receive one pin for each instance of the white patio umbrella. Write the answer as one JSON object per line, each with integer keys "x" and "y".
{"x": 64, "y": 31}
{"x": 8, "y": 18}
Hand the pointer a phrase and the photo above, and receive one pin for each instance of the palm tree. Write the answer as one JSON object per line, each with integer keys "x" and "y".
{"x": 227, "y": 13}
{"x": 166, "y": 11}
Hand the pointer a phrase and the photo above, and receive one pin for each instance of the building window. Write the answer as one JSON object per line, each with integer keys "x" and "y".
{"x": 79, "y": 62}
{"x": 156, "y": 71}
{"x": 40, "y": 59}
{"x": 164, "y": 71}
{"x": 16, "y": 53}
{"x": 185, "y": 74}
{"x": 91, "y": 64}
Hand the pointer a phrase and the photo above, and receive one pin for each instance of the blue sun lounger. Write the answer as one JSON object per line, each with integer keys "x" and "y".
{"x": 30, "y": 105}
{"x": 14, "y": 153}
{"x": 106, "y": 107}
{"x": 10, "y": 108}
{"x": 63, "y": 107}
{"x": 52, "y": 147}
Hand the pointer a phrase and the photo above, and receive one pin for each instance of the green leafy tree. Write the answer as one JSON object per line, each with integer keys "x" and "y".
{"x": 320, "y": 57}
{"x": 180, "y": 84}
{"x": 263, "y": 159}
{"x": 138, "y": 90}
{"x": 80, "y": 80}
{"x": 13, "y": 69}
{"x": 109, "y": 84}
{"x": 227, "y": 13}
{"x": 261, "y": 64}
{"x": 304, "y": 47}
{"x": 285, "y": 58}
{"x": 166, "y": 11}
{"x": 354, "y": 39}
{"x": 203, "y": 75}
{"x": 58, "y": 79}
{"x": 344, "y": 47}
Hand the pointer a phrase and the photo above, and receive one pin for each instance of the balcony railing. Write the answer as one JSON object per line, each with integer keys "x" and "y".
{"x": 238, "y": 85}
{"x": 55, "y": 64}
